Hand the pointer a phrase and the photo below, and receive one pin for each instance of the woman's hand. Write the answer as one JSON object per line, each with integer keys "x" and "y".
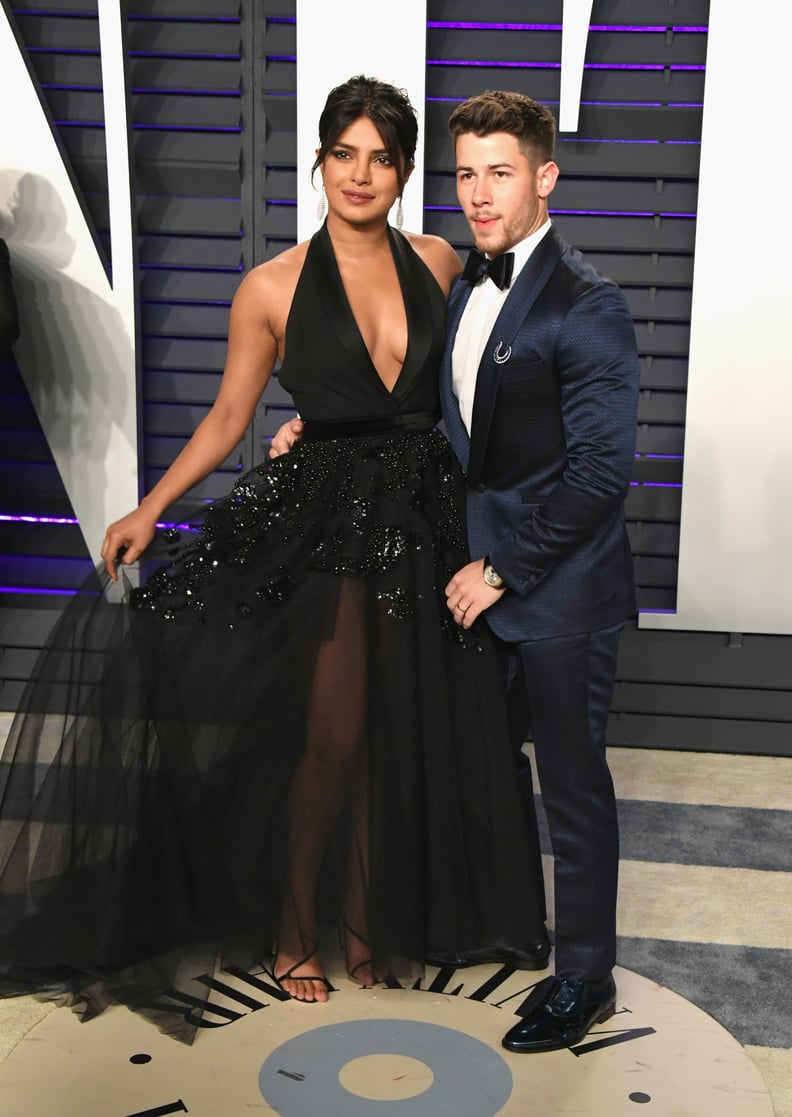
{"x": 133, "y": 533}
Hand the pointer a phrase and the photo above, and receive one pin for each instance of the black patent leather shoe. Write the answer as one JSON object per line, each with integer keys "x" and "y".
{"x": 562, "y": 1013}
{"x": 534, "y": 958}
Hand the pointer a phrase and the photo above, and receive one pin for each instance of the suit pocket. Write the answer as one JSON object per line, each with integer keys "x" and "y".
{"x": 523, "y": 368}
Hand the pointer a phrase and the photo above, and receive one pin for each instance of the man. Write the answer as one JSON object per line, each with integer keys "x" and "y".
{"x": 539, "y": 386}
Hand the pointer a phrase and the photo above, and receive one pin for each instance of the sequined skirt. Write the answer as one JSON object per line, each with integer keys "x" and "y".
{"x": 284, "y": 700}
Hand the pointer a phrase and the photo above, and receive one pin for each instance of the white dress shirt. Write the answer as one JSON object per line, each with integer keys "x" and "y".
{"x": 478, "y": 318}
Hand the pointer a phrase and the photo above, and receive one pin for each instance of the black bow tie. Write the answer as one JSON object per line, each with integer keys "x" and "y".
{"x": 499, "y": 269}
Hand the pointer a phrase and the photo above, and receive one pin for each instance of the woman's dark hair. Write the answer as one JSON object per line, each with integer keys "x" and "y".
{"x": 387, "y": 107}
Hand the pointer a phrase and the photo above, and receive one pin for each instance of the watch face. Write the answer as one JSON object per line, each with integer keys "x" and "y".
{"x": 491, "y": 578}
{"x": 429, "y": 1049}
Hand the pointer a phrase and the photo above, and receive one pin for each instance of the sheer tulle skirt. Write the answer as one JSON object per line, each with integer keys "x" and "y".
{"x": 282, "y": 731}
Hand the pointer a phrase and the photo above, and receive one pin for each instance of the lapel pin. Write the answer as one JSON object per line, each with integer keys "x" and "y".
{"x": 500, "y": 357}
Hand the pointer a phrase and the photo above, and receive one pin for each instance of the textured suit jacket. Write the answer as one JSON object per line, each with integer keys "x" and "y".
{"x": 550, "y": 454}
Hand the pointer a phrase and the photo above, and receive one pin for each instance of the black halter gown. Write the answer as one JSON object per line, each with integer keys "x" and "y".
{"x": 283, "y": 712}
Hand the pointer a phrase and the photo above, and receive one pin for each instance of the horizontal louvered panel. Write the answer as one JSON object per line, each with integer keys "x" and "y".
{"x": 190, "y": 252}
{"x": 621, "y": 12}
{"x": 666, "y": 471}
{"x": 665, "y": 373}
{"x": 653, "y": 539}
{"x": 661, "y": 407}
{"x": 177, "y": 353}
{"x": 180, "y": 387}
{"x": 453, "y": 83}
{"x": 656, "y": 439}
{"x": 647, "y": 502}
{"x": 189, "y": 286}
{"x": 663, "y": 338}
{"x": 671, "y": 304}
{"x": 25, "y": 628}
{"x": 171, "y": 419}
{"x": 210, "y": 10}
{"x": 214, "y": 39}
{"x": 184, "y": 321}
{"x": 203, "y": 113}
{"x": 651, "y": 48}
{"x": 698, "y": 701}
{"x": 642, "y": 268}
{"x": 60, "y": 572}
{"x": 707, "y": 659}
{"x": 660, "y": 600}
{"x": 42, "y": 539}
{"x": 654, "y": 572}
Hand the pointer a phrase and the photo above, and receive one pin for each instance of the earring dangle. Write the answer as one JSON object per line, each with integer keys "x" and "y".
{"x": 399, "y": 215}
{"x": 320, "y": 205}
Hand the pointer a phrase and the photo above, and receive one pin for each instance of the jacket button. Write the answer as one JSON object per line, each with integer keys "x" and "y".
{"x": 481, "y": 488}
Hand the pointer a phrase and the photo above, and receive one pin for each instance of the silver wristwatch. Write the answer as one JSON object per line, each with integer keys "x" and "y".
{"x": 491, "y": 576}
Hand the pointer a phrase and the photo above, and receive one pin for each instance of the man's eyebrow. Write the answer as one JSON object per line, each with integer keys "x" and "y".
{"x": 490, "y": 166}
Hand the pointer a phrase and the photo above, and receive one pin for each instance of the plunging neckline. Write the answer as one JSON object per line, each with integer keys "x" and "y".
{"x": 403, "y": 289}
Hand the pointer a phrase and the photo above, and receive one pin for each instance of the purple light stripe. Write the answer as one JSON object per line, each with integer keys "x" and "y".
{"x": 470, "y": 25}
{"x": 662, "y": 457}
{"x": 8, "y": 519}
{"x": 188, "y": 267}
{"x": 661, "y": 484}
{"x": 70, "y": 521}
{"x": 45, "y": 591}
{"x": 185, "y": 302}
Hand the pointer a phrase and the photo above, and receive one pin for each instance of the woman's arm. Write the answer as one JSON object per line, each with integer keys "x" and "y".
{"x": 252, "y": 349}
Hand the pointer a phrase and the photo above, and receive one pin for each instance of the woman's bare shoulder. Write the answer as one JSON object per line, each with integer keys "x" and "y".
{"x": 439, "y": 256}
{"x": 267, "y": 290}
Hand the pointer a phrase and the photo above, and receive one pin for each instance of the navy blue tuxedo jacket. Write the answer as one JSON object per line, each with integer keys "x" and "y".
{"x": 550, "y": 454}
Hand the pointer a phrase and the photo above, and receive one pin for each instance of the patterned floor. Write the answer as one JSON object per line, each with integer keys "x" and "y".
{"x": 705, "y": 899}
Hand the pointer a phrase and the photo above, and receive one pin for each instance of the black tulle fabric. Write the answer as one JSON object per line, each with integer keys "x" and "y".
{"x": 281, "y": 730}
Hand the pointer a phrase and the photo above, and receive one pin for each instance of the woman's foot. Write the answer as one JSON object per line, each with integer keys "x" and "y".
{"x": 360, "y": 966}
{"x": 302, "y": 978}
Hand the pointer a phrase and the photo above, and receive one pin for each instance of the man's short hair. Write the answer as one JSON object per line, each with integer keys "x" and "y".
{"x": 498, "y": 110}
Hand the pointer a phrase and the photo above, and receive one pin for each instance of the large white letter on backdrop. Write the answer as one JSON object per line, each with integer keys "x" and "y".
{"x": 335, "y": 43}
{"x": 736, "y": 529}
{"x": 76, "y": 349}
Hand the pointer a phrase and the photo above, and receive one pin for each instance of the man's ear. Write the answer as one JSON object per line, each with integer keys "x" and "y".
{"x": 546, "y": 178}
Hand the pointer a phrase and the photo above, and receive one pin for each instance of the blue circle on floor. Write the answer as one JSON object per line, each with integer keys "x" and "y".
{"x": 300, "y": 1078}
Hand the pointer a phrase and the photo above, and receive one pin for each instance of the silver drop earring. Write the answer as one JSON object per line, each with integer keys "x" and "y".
{"x": 320, "y": 205}
{"x": 399, "y": 215}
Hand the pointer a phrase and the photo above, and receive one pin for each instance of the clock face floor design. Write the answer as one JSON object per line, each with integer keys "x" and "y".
{"x": 428, "y": 1050}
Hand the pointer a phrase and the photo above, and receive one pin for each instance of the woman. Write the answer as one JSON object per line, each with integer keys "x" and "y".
{"x": 291, "y": 730}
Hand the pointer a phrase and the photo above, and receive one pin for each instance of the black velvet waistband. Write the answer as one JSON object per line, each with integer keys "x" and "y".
{"x": 359, "y": 428}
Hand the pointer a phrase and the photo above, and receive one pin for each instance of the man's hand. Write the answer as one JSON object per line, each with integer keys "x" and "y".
{"x": 468, "y": 595}
{"x": 287, "y": 435}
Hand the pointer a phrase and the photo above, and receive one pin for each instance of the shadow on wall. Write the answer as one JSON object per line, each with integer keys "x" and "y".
{"x": 72, "y": 351}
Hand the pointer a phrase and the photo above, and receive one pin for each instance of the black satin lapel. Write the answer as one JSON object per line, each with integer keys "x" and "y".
{"x": 526, "y": 289}
{"x": 455, "y": 428}
{"x": 332, "y": 296}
